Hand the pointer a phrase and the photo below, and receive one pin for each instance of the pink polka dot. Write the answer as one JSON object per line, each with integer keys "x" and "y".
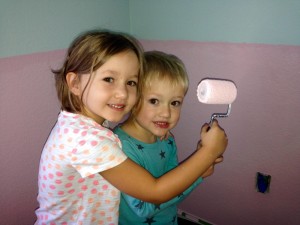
{"x": 71, "y": 191}
{"x": 52, "y": 187}
{"x": 68, "y": 185}
{"x": 66, "y": 130}
{"x": 80, "y": 195}
{"x": 84, "y": 187}
{"x": 74, "y": 150}
{"x": 76, "y": 131}
{"x": 59, "y": 173}
{"x": 104, "y": 187}
{"x": 58, "y": 181}
{"x": 83, "y": 133}
{"x": 50, "y": 175}
{"x": 44, "y": 177}
{"x": 96, "y": 182}
{"x": 94, "y": 191}
{"x": 82, "y": 142}
{"x": 71, "y": 177}
{"x": 92, "y": 176}
{"x": 94, "y": 143}
{"x": 60, "y": 193}
{"x": 80, "y": 180}
{"x": 95, "y": 132}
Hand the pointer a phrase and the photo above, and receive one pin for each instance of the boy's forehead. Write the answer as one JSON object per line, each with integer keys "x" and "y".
{"x": 162, "y": 86}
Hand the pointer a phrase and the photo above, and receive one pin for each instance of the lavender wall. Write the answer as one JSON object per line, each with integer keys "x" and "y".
{"x": 263, "y": 130}
{"x": 28, "y": 110}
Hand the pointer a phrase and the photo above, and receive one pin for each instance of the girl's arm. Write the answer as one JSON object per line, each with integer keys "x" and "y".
{"x": 133, "y": 180}
{"x": 147, "y": 209}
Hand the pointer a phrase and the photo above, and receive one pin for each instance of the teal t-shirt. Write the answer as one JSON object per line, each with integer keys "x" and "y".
{"x": 158, "y": 158}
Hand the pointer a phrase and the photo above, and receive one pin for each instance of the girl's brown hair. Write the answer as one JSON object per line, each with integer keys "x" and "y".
{"x": 86, "y": 54}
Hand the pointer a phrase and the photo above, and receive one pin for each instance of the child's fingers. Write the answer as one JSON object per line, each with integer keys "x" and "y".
{"x": 219, "y": 160}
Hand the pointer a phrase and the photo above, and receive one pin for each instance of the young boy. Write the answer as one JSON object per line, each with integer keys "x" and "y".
{"x": 156, "y": 113}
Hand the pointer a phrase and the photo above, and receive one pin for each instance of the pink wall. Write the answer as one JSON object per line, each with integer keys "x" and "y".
{"x": 27, "y": 112}
{"x": 263, "y": 130}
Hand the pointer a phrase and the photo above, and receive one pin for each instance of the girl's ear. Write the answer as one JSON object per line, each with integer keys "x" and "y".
{"x": 73, "y": 83}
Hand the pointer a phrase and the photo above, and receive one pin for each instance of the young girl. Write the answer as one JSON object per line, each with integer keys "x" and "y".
{"x": 164, "y": 86}
{"x": 82, "y": 166}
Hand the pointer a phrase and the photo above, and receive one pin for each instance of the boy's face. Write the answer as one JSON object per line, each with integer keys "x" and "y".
{"x": 161, "y": 107}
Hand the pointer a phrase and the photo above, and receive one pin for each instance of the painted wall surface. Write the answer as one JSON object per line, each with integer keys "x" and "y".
{"x": 254, "y": 43}
{"x": 43, "y": 25}
{"x": 263, "y": 130}
{"x": 238, "y": 21}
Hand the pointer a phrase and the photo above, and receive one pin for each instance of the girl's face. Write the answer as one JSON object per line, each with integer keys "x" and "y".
{"x": 112, "y": 91}
{"x": 160, "y": 110}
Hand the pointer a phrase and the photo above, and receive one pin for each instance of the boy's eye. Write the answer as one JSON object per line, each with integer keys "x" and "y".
{"x": 132, "y": 83}
{"x": 176, "y": 103}
{"x": 108, "y": 79}
{"x": 153, "y": 101}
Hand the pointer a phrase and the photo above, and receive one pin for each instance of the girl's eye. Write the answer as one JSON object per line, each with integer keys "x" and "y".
{"x": 153, "y": 101}
{"x": 132, "y": 83}
{"x": 176, "y": 103}
{"x": 108, "y": 79}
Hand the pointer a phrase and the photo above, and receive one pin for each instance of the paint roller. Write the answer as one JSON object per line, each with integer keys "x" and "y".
{"x": 217, "y": 91}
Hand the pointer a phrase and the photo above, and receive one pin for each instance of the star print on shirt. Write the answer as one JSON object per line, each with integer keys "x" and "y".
{"x": 162, "y": 154}
{"x": 157, "y": 207}
{"x": 139, "y": 205}
{"x": 171, "y": 142}
{"x": 174, "y": 219}
{"x": 150, "y": 220}
{"x": 140, "y": 147}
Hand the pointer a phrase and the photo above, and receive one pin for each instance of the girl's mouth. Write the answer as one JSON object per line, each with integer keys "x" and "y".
{"x": 118, "y": 107}
{"x": 163, "y": 125}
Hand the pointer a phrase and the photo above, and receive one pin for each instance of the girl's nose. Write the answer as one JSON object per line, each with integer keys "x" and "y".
{"x": 121, "y": 92}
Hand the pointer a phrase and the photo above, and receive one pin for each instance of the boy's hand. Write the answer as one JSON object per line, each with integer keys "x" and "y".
{"x": 213, "y": 139}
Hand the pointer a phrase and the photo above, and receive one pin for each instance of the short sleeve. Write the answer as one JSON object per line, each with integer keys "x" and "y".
{"x": 97, "y": 151}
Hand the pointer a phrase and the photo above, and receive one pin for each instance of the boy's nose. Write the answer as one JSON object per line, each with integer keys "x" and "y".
{"x": 165, "y": 111}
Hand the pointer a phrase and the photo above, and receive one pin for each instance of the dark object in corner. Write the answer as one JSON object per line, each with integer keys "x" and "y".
{"x": 263, "y": 182}
{"x": 182, "y": 221}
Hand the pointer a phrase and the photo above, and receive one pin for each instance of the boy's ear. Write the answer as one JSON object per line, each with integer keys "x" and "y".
{"x": 73, "y": 83}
